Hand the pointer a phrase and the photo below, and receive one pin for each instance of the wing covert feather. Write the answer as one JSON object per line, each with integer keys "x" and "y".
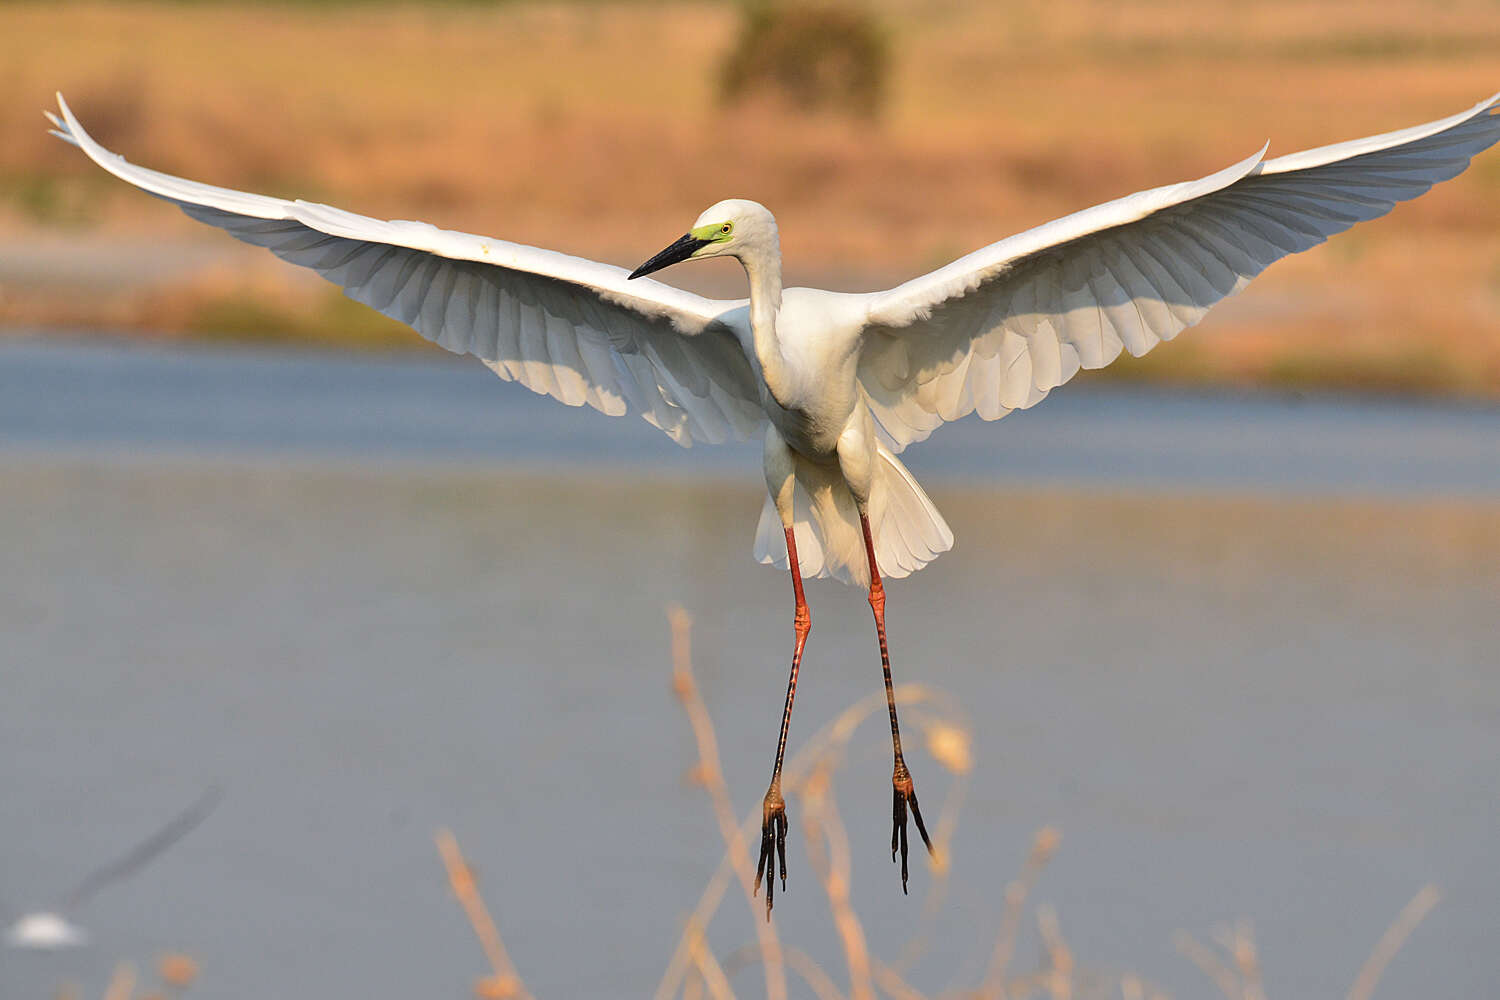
{"x": 562, "y": 326}
{"x": 1129, "y": 274}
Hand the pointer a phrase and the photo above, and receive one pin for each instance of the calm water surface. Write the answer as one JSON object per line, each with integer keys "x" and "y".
{"x": 1243, "y": 652}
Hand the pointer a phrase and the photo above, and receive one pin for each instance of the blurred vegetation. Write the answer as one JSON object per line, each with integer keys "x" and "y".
{"x": 818, "y": 57}
{"x": 858, "y": 968}
{"x": 50, "y": 200}
{"x": 599, "y": 128}
{"x": 331, "y": 319}
{"x": 175, "y": 972}
{"x": 861, "y": 970}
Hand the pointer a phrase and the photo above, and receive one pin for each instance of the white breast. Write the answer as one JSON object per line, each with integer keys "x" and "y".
{"x": 818, "y": 335}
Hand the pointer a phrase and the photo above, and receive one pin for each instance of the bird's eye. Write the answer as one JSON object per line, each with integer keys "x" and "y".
{"x": 726, "y": 228}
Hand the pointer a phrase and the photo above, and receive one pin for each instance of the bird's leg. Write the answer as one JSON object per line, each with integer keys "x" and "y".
{"x": 773, "y": 809}
{"x": 904, "y": 792}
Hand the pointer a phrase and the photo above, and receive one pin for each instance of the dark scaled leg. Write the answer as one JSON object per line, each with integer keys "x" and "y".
{"x": 773, "y": 809}
{"x": 905, "y": 796}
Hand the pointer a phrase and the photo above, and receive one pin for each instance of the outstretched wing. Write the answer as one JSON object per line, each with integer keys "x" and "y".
{"x": 145, "y": 852}
{"x": 566, "y": 327}
{"x": 998, "y": 329}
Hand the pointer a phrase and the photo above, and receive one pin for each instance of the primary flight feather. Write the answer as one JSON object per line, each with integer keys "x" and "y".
{"x": 838, "y": 384}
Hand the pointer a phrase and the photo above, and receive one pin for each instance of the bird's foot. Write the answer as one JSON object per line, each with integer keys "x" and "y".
{"x": 772, "y": 843}
{"x": 905, "y": 795}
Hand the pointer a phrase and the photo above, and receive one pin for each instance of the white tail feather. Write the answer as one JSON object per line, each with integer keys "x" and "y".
{"x": 908, "y": 530}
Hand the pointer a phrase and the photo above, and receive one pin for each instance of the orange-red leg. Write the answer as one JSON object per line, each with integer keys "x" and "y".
{"x": 773, "y": 809}
{"x": 904, "y": 793}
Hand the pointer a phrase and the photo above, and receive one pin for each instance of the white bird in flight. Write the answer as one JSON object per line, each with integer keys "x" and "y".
{"x": 51, "y": 929}
{"x": 838, "y": 384}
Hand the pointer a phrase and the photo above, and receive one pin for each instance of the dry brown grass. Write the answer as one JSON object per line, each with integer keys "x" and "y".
{"x": 693, "y": 971}
{"x": 175, "y": 972}
{"x": 592, "y": 127}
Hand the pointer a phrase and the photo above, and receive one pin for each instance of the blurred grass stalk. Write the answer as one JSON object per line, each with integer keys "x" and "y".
{"x": 175, "y": 973}
{"x": 1231, "y": 961}
{"x": 693, "y": 971}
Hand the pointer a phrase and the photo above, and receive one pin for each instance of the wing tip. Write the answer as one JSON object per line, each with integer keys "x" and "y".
{"x": 1253, "y": 163}
{"x": 67, "y": 127}
{"x": 59, "y": 126}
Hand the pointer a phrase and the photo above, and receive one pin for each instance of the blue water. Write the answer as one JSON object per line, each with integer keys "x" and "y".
{"x": 1242, "y": 650}
{"x": 60, "y": 394}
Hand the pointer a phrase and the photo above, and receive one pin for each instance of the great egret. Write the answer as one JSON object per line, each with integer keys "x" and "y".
{"x": 838, "y": 384}
{"x": 51, "y": 929}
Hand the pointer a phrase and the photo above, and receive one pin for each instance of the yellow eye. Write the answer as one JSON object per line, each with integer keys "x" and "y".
{"x": 726, "y": 228}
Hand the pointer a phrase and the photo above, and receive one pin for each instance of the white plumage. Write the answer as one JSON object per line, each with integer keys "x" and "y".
{"x": 839, "y": 384}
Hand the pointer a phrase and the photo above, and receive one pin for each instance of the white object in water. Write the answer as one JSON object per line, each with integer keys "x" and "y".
{"x": 45, "y": 931}
{"x": 51, "y": 930}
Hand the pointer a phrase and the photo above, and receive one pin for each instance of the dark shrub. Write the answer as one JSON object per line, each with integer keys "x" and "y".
{"x": 812, "y": 57}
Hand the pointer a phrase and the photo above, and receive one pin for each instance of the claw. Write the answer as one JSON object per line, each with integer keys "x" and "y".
{"x": 781, "y": 848}
{"x": 905, "y": 795}
{"x": 898, "y": 821}
{"x": 772, "y": 845}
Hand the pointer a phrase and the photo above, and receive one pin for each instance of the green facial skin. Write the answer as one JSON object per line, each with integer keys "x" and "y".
{"x": 713, "y": 233}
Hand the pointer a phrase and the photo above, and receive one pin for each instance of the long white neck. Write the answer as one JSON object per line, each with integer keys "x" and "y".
{"x": 764, "y": 271}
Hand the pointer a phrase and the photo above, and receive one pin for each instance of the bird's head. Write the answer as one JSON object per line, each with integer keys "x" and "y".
{"x": 733, "y": 228}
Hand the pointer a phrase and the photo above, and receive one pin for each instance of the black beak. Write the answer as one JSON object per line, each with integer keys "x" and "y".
{"x": 679, "y": 251}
